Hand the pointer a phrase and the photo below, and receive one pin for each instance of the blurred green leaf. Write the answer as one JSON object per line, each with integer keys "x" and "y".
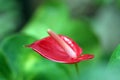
{"x": 47, "y": 16}
{"x": 113, "y": 69}
{"x": 115, "y": 60}
{"x": 5, "y": 71}
{"x": 51, "y": 72}
{"x": 16, "y": 53}
{"x": 25, "y": 63}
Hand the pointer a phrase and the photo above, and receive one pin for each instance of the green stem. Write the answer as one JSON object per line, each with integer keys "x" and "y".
{"x": 77, "y": 69}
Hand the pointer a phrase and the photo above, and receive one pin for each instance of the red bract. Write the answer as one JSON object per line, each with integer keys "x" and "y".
{"x": 59, "y": 48}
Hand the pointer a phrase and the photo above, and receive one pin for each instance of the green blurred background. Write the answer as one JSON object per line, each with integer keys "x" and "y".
{"x": 93, "y": 24}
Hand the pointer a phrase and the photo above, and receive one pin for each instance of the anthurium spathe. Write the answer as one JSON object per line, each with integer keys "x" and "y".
{"x": 59, "y": 48}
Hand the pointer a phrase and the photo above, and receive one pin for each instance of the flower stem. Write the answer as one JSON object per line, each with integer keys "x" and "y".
{"x": 77, "y": 69}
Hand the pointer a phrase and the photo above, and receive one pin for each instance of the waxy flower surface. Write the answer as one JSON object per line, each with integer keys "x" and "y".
{"x": 59, "y": 48}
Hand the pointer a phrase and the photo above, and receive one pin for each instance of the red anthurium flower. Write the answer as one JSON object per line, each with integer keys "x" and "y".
{"x": 59, "y": 48}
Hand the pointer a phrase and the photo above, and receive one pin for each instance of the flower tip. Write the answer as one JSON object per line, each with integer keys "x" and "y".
{"x": 91, "y": 56}
{"x": 49, "y": 30}
{"x": 87, "y": 56}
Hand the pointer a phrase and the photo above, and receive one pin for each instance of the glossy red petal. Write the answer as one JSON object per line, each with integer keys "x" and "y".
{"x": 86, "y": 56}
{"x": 50, "y": 49}
{"x": 82, "y": 58}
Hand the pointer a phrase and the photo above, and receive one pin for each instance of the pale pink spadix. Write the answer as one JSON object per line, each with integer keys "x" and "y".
{"x": 59, "y": 48}
{"x": 62, "y": 43}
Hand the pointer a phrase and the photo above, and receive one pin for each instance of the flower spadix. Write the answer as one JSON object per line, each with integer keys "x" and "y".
{"x": 59, "y": 48}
